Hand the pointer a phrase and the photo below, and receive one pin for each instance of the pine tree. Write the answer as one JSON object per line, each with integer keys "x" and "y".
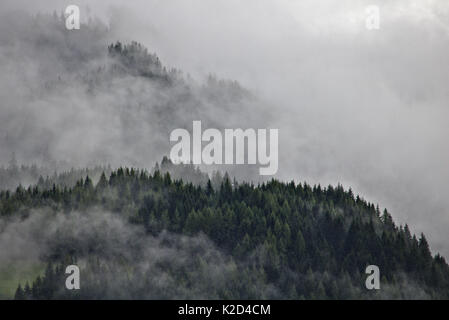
{"x": 20, "y": 294}
{"x": 103, "y": 182}
{"x": 27, "y": 291}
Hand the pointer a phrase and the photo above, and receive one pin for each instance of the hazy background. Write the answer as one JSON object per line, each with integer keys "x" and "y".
{"x": 365, "y": 108}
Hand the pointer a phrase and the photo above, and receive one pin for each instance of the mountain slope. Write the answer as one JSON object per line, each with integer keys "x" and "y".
{"x": 137, "y": 235}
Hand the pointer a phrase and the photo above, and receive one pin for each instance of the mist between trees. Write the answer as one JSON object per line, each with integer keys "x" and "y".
{"x": 384, "y": 134}
{"x": 146, "y": 236}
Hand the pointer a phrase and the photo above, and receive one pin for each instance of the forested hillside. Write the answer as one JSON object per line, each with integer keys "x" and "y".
{"x": 118, "y": 97}
{"x": 84, "y": 100}
{"x": 141, "y": 235}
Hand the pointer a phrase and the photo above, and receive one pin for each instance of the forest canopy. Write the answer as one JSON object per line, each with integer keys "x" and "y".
{"x": 272, "y": 240}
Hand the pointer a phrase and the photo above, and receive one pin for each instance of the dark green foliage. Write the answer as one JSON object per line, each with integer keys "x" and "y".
{"x": 311, "y": 242}
{"x": 134, "y": 59}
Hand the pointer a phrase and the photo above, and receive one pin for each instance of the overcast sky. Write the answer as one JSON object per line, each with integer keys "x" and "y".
{"x": 366, "y": 108}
